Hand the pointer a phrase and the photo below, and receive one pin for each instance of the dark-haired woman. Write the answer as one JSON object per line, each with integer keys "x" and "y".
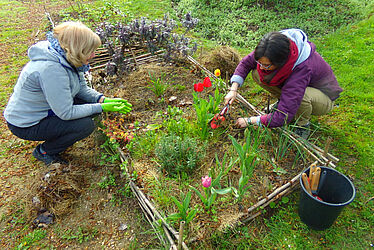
{"x": 288, "y": 66}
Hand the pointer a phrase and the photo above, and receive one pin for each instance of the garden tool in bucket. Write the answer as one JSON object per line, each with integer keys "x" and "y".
{"x": 323, "y": 196}
{"x": 220, "y": 117}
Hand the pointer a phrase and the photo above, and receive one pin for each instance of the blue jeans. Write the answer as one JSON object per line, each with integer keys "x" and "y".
{"x": 57, "y": 134}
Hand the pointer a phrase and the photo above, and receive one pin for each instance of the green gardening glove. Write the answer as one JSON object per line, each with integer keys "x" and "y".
{"x": 112, "y": 107}
{"x": 109, "y": 100}
{"x": 125, "y": 109}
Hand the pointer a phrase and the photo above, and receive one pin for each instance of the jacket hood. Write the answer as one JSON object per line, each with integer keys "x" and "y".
{"x": 301, "y": 40}
{"x": 42, "y": 51}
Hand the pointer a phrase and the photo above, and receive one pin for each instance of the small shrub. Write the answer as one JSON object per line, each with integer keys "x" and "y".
{"x": 178, "y": 155}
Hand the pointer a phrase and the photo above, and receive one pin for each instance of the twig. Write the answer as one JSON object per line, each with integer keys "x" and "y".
{"x": 280, "y": 195}
{"x": 151, "y": 219}
{"x": 134, "y": 57}
{"x": 167, "y": 233}
{"x": 157, "y": 214}
{"x": 372, "y": 198}
{"x": 49, "y": 17}
{"x": 245, "y": 220}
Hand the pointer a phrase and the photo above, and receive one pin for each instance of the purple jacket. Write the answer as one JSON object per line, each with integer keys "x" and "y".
{"x": 312, "y": 72}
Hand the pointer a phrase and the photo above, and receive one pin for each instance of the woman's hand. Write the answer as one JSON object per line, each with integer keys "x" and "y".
{"x": 245, "y": 122}
{"x": 120, "y": 100}
{"x": 116, "y": 107}
{"x": 231, "y": 96}
{"x": 242, "y": 122}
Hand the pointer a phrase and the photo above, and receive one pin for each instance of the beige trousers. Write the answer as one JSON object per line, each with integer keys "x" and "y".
{"x": 314, "y": 102}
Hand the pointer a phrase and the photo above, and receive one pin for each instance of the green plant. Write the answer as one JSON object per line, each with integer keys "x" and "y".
{"x": 212, "y": 185}
{"x": 179, "y": 87}
{"x": 180, "y": 127}
{"x": 109, "y": 155}
{"x": 224, "y": 168}
{"x": 210, "y": 193}
{"x": 178, "y": 155}
{"x": 157, "y": 85}
{"x": 185, "y": 213}
{"x": 31, "y": 238}
{"x": 248, "y": 158}
{"x": 215, "y": 101}
{"x": 203, "y": 116}
{"x": 174, "y": 123}
{"x": 143, "y": 144}
{"x": 108, "y": 181}
{"x": 81, "y": 235}
{"x": 216, "y": 18}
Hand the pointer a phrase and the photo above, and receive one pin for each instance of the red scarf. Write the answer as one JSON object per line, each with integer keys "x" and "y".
{"x": 274, "y": 78}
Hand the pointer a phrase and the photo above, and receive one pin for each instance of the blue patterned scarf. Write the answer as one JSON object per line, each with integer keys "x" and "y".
{"x": 56, "y": 46}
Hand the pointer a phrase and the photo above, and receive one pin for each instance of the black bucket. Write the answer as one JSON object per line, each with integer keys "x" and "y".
{"x": 336, "y": 192}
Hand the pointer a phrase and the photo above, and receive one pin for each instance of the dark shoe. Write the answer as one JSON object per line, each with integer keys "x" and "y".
{"x": 46, "y": 158}
{"x": 302, "y": 131}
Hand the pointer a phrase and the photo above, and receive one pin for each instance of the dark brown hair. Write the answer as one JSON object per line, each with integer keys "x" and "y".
{"x": 275, "y": 46}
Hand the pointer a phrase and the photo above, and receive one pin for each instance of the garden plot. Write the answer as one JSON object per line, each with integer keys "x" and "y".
{"x": 206, "y": 177}
{"x": 211, "y": 177}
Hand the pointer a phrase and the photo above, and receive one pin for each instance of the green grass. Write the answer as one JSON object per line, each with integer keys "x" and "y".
{"x": 285, "y": 230}
{"x": 241, "y": 23}
{"x": 32, "y": 238}
{"x": 95, "y": 12}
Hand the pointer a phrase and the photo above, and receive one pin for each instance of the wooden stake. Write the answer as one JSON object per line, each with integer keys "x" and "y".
{"x": 181, "y": 227}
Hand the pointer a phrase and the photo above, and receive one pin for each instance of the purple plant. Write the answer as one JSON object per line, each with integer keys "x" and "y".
{"x": 155, "y": 35}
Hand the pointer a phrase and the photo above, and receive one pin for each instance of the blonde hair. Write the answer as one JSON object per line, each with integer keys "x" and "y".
{"x": 78, "y": 41}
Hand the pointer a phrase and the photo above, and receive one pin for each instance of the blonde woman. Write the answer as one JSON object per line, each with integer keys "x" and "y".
{"x": 51, "y": 101}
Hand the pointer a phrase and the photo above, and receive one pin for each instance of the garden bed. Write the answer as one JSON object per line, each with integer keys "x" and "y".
{"x": 166, "y": 120}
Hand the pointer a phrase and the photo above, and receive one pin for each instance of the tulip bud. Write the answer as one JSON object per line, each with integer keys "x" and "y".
{"x": 206, "y": 181}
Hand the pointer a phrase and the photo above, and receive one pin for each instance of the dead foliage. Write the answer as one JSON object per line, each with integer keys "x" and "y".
{"x": 224, "y": 58}
{"x": 56, "y": 189}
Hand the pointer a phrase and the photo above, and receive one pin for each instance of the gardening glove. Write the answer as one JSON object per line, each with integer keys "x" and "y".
{"x": 120, "y": 100}
{"x": 126, "y": 109}
{"x": 114, "y": 107}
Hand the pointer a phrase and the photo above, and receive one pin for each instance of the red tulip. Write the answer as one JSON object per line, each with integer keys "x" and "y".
{"x": 198, "y": 87}
{"x": 207, "y": 83}
{"x": 213, "y": 125}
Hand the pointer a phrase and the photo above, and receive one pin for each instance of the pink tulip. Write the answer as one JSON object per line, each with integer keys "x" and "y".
{"x": 206, "y": 181}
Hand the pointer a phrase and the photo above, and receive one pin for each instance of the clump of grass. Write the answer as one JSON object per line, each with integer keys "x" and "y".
{"x": 158, "y": 85}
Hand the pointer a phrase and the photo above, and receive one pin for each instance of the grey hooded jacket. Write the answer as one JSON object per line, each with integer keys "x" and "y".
{"x": 47, "y": 86}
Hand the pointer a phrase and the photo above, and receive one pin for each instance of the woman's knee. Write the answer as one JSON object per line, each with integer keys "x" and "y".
{"x": 320, "y": 102}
